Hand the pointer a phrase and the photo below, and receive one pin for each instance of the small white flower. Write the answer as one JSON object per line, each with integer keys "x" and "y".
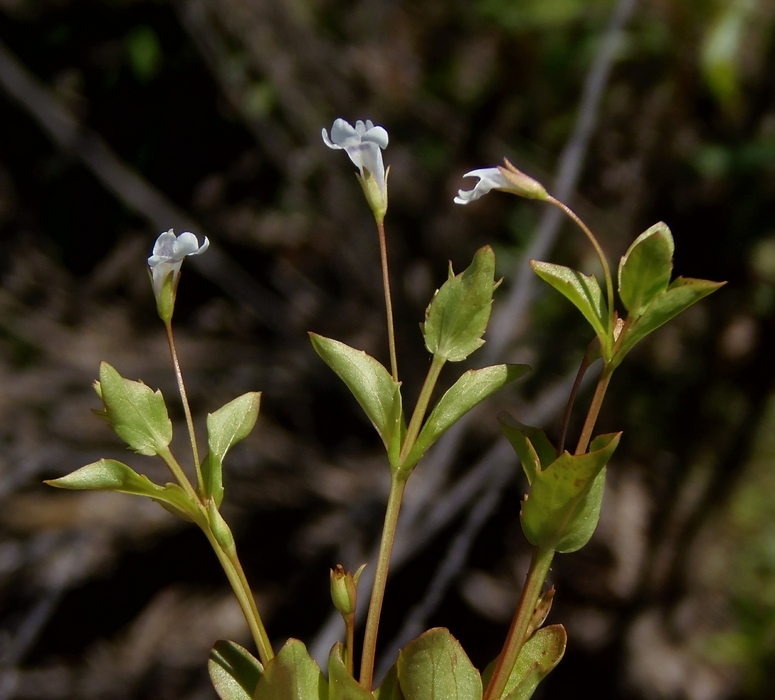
{"x": 489, "y": 179}
{"x": 363, "y": 143}
{"x": 507, "y": 178}
{"x": 168, "y": 253}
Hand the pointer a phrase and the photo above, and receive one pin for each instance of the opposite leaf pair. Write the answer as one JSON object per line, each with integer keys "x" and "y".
{"x": 139, "y": 416}
{"x": 644, "y": 290}
{"x": 455, "y": 322}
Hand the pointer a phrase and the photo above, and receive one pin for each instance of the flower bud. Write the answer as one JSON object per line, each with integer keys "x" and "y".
{"x": 344, "y": 587}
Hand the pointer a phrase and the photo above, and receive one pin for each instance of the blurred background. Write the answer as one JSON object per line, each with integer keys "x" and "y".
{"x": 123, "y": 118}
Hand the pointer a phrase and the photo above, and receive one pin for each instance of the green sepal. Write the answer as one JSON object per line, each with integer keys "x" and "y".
{"x": 369, "y": 382}
{"x": 341, "y": 685}
{"x": 234, "y": 671}
{"x": 679, "y": 296}
{"x": 533, "y": 448}
{"x": 540, "y": 654}
{"x": 136, "y": 413}
{"x": 584, "y": 292}
{"x": 292, "y": 675}
{"x": 165, "y": 298}
{"x": 375, "y": 196}
{"x": 226, "y": 427}
{"x": 390, "y": 688}
{"x": 645, "y": 269}
{"x": 473, "y": 387}
{"x": 435, "y": 666}
{"x": 556, "y": 512}
{"x": 112, "y": 475}
{"x": 457, "y": 316}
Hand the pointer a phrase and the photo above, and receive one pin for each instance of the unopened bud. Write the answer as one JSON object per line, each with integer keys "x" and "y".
{"x": 344, "y": 589}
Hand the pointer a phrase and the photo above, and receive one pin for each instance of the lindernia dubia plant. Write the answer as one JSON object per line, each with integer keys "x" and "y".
{"x": 559, "y": 513}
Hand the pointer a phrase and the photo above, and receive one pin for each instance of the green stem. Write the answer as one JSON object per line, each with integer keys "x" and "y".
{"x": 186, "y": 407}
{"x": 388, "y": 301}
{"x": 594, "y": 409}
{"x": 536, "y": 575}
{"x": 609, "y": 285}
{"x": 349, "y": 624}
{"x": 397, "y": 484}
{"x": 239, "y": 583}
{"x": 180, "y": 475}
{"x": 583, "y": 367}
{"x": 421, "y": 407}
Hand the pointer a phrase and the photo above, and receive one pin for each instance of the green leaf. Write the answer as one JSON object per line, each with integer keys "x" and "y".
{"x": 557, "y": 494}
{"x": 369, "y": 382}
{"x": 533, "y": 448}
{"x": 679, "y": 296}
{"x": 226, "y": 427}
{"x": 292, "y": 675}
{"x": 645, "y": 269}
{"x": 582, "y": 291}
{"x": 540, "y": 654}
{"x": 457, "y": 316}
{"x": 584, "y": 523}
{"x": 435, "y": 666}
{"x": 234, "y": 671}
{"x": 136, "y": 412}
{"x": 473, "y": 387}
{"x": 112, "y": 475}
{"x": 341, "y": 685}
{"x": 389, "y": 689}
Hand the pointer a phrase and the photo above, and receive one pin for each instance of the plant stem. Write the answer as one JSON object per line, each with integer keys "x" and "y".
{"x": 388, "y": 301}
{"x": 536, "y": 575}
{"x": 349, "y": 625}
{"x": 594, "y": 409}
{"x": 421, "y": 406}
{"x": 583, "y": 367}
{"x": 603, "y": 262}
{"x": 180, "y": 475}
{"x": 397, "y": 484}
{"x": 239, "y": 583}
{"x": 186, "y": 407}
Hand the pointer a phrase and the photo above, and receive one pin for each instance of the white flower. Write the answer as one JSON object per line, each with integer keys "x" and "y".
{"x": 363, "y": 144}
{"x": 489, "y": 179}
{"x": 168, "y": 253}
{"x": 507, "y": 178}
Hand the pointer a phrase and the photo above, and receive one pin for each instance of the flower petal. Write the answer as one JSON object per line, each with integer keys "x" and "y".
{"x": 376, "y": 134}
{"x": 327, "y": 140}
{"x": 164, "y": 244}
{"x": 187, "y": 244}
{"x": 489, "y": 179}
{"x": 343, "y": 134}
